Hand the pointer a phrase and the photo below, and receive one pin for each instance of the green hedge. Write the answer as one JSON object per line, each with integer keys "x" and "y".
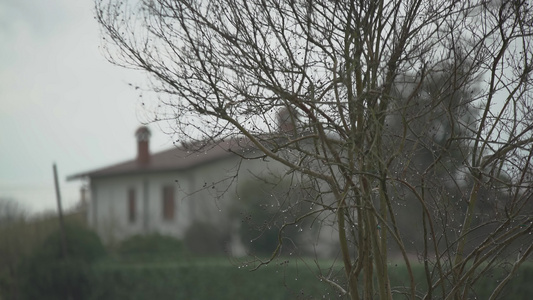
{"x": 220, "y": 279}
{"x": 149, "y": 247}
{"x": 519, "y": 287}
{"x": 208, "y": 280}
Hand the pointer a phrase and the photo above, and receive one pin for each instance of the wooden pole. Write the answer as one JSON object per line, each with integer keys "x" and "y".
{"x": 60, "y": 214}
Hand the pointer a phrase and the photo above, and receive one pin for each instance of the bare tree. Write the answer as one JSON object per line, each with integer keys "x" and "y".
{"x": 420, "y": 106}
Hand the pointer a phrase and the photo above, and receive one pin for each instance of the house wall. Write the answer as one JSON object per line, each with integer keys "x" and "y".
{"x": 204, "y": 194}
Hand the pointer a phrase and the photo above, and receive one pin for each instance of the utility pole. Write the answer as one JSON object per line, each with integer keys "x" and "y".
{"x": 60, "y": 214}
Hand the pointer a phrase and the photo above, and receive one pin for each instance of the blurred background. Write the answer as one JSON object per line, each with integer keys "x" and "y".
{"x": 60, "y": 101}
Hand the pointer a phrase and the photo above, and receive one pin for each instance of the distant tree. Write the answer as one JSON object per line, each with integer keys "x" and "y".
{"x": 48, "y": 273}
{"x": 376, "y": 101}
{"x": 14, "y": 245}
{"x": 426, "y": 123}
{"x": 267, "y": 207}
{"x": 203, "y": 238}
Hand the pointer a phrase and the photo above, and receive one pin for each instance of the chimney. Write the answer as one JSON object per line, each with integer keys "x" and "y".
{"x": 143, "y": 150}
{"x": 286, "y": 119}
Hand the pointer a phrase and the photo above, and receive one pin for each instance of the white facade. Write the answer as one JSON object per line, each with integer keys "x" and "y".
{"x": 203, "y": 193}
{"x": 129, "y": 198}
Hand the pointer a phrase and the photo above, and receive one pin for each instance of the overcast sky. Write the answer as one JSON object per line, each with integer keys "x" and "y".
{"x": 61, "y": 101}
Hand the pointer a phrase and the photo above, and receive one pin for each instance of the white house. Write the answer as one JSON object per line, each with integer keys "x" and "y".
{"x": 170, "y": 191}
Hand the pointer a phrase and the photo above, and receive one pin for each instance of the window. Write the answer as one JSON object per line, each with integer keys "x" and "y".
{"x": 132, "y": 206}
{"x": 168, "y": 203}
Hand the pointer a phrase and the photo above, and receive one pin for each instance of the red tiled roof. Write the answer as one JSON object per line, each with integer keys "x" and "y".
{"x": 178, "y": 158}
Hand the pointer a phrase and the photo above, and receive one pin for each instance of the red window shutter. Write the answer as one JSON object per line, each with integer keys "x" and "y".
{"x": 168, "y": 203}
{"x": 132, "y": 206}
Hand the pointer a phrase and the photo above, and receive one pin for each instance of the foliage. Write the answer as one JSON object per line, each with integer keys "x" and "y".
{"x": 14, "y": 245}
{"x": 150, "y": 245}
{"x": 49, "y": 273}
{"x": 81, "y": 243}
{"x": 204, "y": 238}
{"x": 386, "y": 109}
{"x": 207, "y": 278}
{"x": 20, "y": 235}
{"x": 268, "y": 210}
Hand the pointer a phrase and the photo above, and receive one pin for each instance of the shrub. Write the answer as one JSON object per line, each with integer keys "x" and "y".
{"x": 205, "y": 239}
{"x": 264, "y": 208}
{"x": 202, "y": 279}
{"x": 150, "y": 246}
{"x": 81, "y": 243}
{"x": 49, "y": 274}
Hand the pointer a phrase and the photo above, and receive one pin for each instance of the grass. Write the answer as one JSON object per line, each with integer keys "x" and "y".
{"x": 194, "y": 277}
{"x": 209, "y": 278}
